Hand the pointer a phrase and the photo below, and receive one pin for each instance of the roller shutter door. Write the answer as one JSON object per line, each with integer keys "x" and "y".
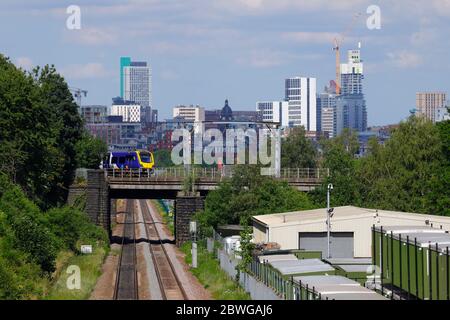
{"x": 341, "y": 245}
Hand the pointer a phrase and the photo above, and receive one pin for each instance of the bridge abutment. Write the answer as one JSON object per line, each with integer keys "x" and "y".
{"x": 185, "y": 208}
{"x": 98, "y": 202}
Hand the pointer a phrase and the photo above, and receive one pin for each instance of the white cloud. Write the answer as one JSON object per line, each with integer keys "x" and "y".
{"x": 310, "y": 37}
{"x": 424, "y": 37}
{"x": 169, "y": 75}
{"x": 442, "y": 7}
{"x": 275, "y": 6}
{"x": 405, "y": 59}
{"x": 92, "y": 36}
{"x": 24, "y": 63}
{"x": 85, "y": 71}
{"x": 265, "y": 58}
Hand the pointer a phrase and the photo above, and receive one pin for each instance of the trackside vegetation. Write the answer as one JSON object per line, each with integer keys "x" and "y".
{"x": 212, "y": 277}
{"x": 42, "y": 142}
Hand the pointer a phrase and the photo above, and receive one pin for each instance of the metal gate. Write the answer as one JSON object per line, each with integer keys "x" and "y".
{"x": 341, "y": 243}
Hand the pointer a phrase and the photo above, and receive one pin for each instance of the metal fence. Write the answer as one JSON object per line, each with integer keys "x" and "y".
{"x": 411, "y": 271}
{"x": 284, "y": 287}
{"x": 210, "y": 174}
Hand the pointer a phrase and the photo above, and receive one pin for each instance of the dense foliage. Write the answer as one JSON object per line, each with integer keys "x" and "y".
{"x": 41, "y": 144}
{"x": 90, "y": 151}
{"x": 410, "y": 172}
{"x": 246, "y": 194}
{"x": 30, "y": 241}
{"x": 40, "y": 131}
{"x": 297, "y": 151}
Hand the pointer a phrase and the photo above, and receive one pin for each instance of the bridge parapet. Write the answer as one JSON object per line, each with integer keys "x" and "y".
{"x": 178, "y": 174}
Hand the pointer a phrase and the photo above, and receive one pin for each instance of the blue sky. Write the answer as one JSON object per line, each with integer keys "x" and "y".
{"x": 204, "y": 51}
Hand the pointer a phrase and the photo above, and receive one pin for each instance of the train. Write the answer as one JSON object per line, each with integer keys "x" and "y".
{"x": 139, "y": 159}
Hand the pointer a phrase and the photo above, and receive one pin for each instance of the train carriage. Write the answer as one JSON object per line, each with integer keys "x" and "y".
{"x": 139, "y": 159}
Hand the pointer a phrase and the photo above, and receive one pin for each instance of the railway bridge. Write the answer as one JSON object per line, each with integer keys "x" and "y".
{"x": 103, "y": 186}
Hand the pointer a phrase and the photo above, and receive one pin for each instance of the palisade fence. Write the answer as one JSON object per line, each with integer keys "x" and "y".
{"x": 283, "y": 287}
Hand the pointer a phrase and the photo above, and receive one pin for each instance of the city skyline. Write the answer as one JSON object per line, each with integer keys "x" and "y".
{"x": 203, "y": 52}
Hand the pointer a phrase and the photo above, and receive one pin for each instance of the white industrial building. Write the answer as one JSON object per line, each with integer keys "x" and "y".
{"x": 274, "y": 111}
{"x": 351, "y": 229}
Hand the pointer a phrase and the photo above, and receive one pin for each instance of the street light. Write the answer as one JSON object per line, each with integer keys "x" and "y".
{"x": 329, "y": 214}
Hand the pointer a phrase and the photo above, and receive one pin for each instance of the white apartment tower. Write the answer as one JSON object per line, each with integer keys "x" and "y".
{"x": 300, "y": 93}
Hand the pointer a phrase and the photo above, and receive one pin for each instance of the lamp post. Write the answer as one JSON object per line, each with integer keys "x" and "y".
{"x": 329, "y": 211}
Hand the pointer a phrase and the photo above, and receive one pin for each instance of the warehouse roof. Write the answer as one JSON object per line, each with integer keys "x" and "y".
{"x": 338, "y": 288}
{"x": 348, "y": 261}
{"x": 277, "y": 257}
{"x": 311, "y": 215}
{"x": 360, "y": 268}
{"x": 346, "y": 212}
{"x": 409, "y": 229}
{"x": 305, "y": 266}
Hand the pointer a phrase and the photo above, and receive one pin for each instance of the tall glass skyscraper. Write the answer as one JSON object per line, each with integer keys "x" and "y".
{"x": 351, "y": 105}
{"x": 135, "y": 81}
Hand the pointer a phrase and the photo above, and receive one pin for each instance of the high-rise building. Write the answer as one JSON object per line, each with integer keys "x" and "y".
{"x": 351, "y": 109}
{"x": 352, "y": 74}
{"x": 428, "y": 103}
{"x": 136, "y": 82}
{"x": 300, "y": 93}
{"x": 326, "y": 113}
{"x": 274, "y": 111}
{"x": 351, "y": 113}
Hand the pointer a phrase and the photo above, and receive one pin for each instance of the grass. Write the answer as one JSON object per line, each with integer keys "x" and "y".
{"x": 90, "y": 268}
{"x": 167, "y": 219}
{"x": 212, "y": 277}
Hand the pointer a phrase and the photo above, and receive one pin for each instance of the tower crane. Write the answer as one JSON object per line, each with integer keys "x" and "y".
{"x": 78, "y": 93}
{"x": 337, "y": 47}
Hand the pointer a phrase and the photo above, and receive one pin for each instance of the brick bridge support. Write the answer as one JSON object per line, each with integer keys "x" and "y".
{"x": 185, "y": 208}
{"x": 98, "y": 202}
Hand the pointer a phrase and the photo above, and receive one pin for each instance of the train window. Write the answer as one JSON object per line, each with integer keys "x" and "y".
{"x": 145, "y": 157}
{"x": 114, "y": 160}
{"x": 130, "y": 158}
{"x": 121, "y": 160}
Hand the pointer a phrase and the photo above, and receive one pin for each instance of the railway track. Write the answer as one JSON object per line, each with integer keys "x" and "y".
{"x": 126, "y": 287}
{"x": 169, "y": 284}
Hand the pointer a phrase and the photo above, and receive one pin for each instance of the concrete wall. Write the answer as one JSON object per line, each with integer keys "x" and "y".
{"x": 256, "y": 289}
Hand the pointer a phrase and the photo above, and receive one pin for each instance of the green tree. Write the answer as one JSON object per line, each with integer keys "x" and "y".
{"x": 90, "y": 151}
{"x": 246, "y": 194}
{"x": 409, "y": 172}
{"x": 339, "y": 157}
{"x": 297, "y": 150}
{"x": 39, "y": 128}
{"x": 163, "y": 158}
